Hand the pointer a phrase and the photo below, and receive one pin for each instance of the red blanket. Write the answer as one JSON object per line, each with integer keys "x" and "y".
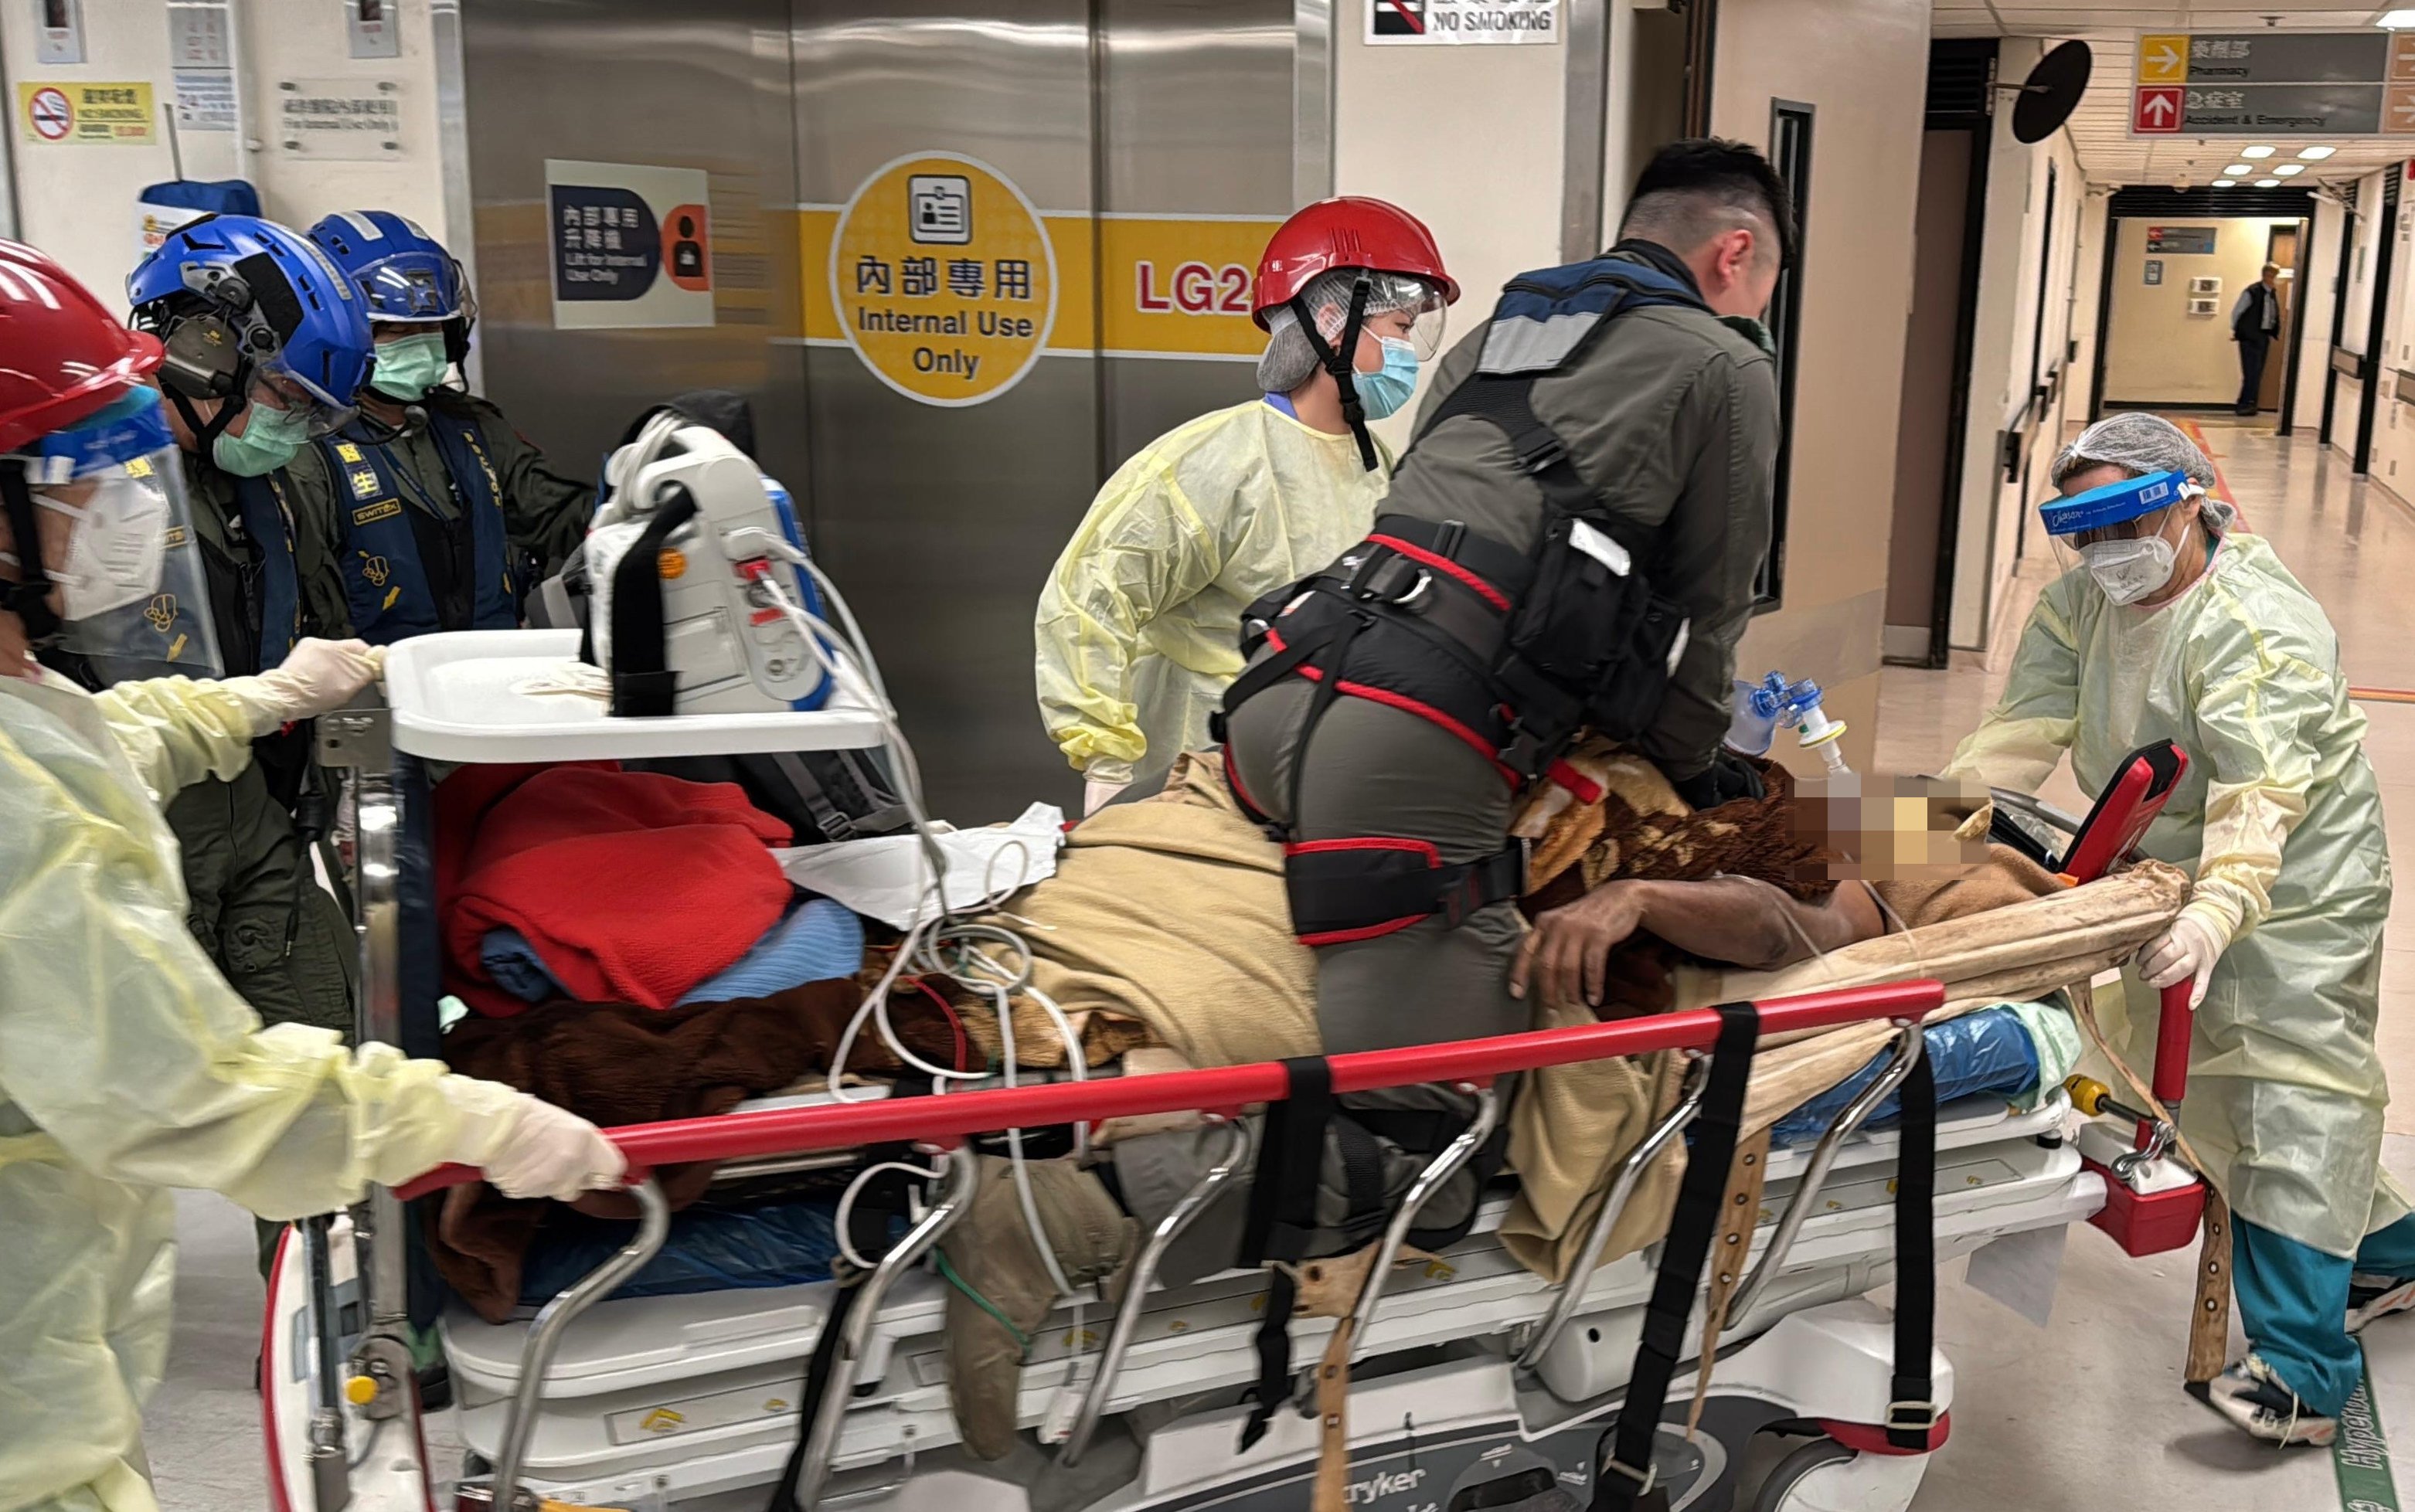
{"x": 632, "y": 886}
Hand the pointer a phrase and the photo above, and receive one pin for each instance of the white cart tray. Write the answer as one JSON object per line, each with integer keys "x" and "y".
{"x": 453, "y": 699}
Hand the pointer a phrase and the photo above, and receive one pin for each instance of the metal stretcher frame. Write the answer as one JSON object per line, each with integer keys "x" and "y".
{"x": 943, "y": 1125}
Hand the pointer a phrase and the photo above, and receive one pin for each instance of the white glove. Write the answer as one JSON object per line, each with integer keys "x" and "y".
{"x": 1097, "y": 795}
{"x": 2187, "y": 950}
{"x": 318, "y": 676}
{"x": 550, "y": 1153}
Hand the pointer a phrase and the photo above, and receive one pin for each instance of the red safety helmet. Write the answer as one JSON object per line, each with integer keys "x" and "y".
{"x": 63, "y": 356}
{"x": 1351, "y": 232}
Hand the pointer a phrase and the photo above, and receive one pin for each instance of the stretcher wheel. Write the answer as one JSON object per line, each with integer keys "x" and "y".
{"x": 1823, "y": 1475}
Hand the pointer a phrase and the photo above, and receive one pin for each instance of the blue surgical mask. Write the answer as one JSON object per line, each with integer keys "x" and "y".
{"x": 1387, "y": 390}
{"x": 269, "y": 440}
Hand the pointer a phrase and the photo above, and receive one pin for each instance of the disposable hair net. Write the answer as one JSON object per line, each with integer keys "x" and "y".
{"x": 2144, "y": 443}
{"x": 1289, "y": 359}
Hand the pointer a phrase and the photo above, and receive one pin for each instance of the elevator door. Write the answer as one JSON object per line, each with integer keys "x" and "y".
{"x": 974, "y": 255}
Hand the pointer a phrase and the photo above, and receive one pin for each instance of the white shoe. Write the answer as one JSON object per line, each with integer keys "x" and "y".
{"x": 2376, "y": 1297}
{"x": 2252, "y": 1397}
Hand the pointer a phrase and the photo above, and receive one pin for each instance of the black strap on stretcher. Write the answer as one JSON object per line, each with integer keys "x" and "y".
{"x": 1911, "y": 1408}
{"x": 1282, "y": 1217}
{"x": 1627, "y": 1481}
{"x": 883, "y": 1200}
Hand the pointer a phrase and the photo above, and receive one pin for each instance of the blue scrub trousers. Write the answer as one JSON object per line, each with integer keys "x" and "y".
{"x": 2293, "y": 1306}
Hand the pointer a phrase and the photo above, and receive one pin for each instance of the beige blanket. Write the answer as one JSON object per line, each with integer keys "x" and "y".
{"x": 1171, "y": 911}
{"x": 1573, "y": 1123}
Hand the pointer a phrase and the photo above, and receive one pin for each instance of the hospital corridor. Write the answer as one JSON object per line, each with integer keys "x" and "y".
{"x": 1149, "y": 755}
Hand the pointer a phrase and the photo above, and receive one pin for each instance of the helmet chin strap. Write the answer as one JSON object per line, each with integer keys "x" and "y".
{"x": 206, "y": 432}
{"x": 29, "y": 597}
{"x": 1341, "y": 361}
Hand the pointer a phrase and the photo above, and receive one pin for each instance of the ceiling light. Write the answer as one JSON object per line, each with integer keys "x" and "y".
{"x": 2255, "y": 152}
{"x": 2395, "y": 21}
{"x": 2268, "y": 182}
{"x": 2237, "y": 169}
{"x": 2226, "y": 183}
{"x": 2289, "y": 170}
{"x": 2316, "y": 154}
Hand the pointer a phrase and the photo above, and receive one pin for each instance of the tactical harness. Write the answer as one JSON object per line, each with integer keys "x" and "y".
{"x": 1511, "y": 652}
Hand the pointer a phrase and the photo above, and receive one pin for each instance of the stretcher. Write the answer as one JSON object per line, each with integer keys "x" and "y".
{"x": 1473, "y": 1381}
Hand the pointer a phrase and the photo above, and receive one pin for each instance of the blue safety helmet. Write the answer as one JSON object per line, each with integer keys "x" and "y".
{"x": 2116, "y": 503}
{"x": 403, "y": 274}
{"x": 237, "y": 299}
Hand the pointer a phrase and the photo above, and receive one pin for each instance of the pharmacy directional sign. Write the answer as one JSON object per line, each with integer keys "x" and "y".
{"x": 2274, "y": 84}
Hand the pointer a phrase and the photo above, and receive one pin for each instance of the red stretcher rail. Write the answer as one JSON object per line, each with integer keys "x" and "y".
{"x": 737, "y": 1136}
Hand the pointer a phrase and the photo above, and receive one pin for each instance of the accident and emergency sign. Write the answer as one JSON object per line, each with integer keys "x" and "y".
{"x": 944, "y": 278}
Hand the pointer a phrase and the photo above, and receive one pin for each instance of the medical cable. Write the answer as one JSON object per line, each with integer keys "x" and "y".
{"x": 927, "y": 943}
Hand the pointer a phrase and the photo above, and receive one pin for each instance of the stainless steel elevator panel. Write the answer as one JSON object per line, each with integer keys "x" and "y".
{"x": 700, "y": 84}
{"x": 1195, "y": 111}
{"x": 941, "y": 522}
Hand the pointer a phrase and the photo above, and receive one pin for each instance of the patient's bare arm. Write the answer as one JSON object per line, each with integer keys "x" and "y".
{"x": 1730, "y": 918}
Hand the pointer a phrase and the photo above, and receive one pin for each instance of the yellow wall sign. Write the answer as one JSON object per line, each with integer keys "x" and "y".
{"x": 110, "y": 114}
{"x": 944, "y": 278}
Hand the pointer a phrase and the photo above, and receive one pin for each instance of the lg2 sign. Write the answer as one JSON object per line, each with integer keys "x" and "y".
{"x": 1193, "y": 289}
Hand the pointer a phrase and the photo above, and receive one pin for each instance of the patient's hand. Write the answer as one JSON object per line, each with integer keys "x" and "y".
{"x": 1568, "y": 951}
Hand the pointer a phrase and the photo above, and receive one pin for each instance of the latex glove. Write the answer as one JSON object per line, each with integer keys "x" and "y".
{"x": 2187, "y": 950}
{"x": 1097, "y": 795}
{"x": 318, "y": 676}
{"x": 550, "y": 1153}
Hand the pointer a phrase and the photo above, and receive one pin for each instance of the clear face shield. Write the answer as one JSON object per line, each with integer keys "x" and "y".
{"x": 2129, "y": 535}
{"x": 128, "y": 585}
{"x": 1399, "y": 307}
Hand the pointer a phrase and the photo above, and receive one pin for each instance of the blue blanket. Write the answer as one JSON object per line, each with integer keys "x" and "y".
{"x": 822, "y": 941}
{"x": 1988, "y": 1051}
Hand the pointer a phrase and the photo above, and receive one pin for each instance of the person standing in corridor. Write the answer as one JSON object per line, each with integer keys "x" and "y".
{"x": 2255, "y": 324}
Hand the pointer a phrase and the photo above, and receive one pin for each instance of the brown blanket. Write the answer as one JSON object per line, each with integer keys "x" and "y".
{"x": 615, "y": 1063}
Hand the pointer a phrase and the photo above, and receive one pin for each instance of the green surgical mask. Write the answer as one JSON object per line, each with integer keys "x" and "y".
{"x": 1744, "y": 325}
{"x": 269, "y": 440}
{"x": 408, "y": 367}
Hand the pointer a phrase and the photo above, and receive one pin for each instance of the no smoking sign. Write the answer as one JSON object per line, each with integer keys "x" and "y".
{"x": 49, "y": 114}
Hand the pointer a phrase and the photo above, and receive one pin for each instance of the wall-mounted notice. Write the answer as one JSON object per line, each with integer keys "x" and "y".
{"x": 632, "y": 244}
{"x": 1460, "y": 23}
{"x": 203, "y": 68}
{"x": 2180, "y": 241}
{"x": 351, "y": 119}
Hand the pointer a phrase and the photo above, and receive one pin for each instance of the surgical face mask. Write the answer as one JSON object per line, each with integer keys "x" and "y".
{"x": 2129, "y": 571}
{"x": 269, "y": 440}
{"x": 1385, "y": 390}
{"x": 408, "y": 367}
{"x": 118, "y": 538}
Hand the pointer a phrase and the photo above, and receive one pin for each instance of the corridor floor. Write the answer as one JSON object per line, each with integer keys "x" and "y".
{"x": 2084, "y": 1413}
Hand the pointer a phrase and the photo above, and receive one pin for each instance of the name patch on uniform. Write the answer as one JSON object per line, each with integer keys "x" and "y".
{"x": 385, "y": 509}
{"x": 365, "y": 482}
{"x": 347, "y": 451}
{"x": 176, "y": 536}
